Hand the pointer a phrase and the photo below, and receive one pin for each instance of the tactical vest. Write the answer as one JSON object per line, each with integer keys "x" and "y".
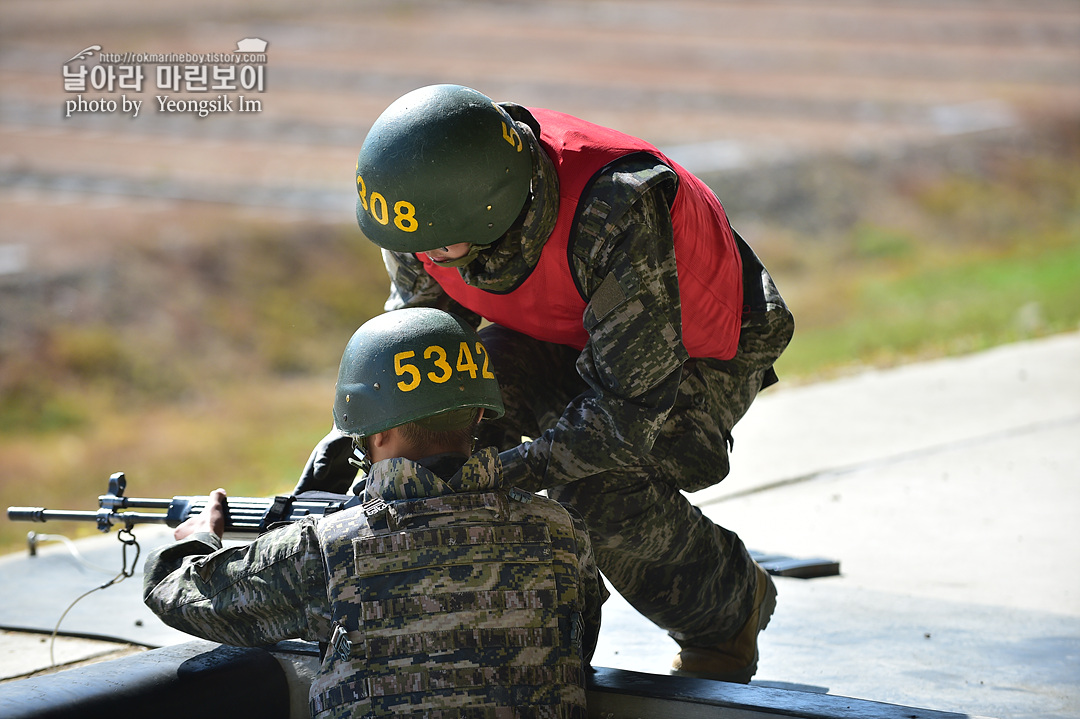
{"x": 464, "y": 605}
{"x": 548, "y": 306}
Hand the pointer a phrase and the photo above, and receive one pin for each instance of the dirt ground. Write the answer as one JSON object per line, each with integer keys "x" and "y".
{"x": 719, "y": 84}
{"x": 118, "y": 229}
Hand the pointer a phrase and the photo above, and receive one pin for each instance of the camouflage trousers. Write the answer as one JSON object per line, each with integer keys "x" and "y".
{"x": 685, "y": 573}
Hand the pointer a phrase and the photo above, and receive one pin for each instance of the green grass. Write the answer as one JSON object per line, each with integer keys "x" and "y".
{"x": 964, "y": 306}
{"x": 214, "y": 366}
{"x": 252, "y": 438}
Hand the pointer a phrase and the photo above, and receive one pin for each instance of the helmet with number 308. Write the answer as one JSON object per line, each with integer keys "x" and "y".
{"x": 441, "y": 165}
{"x": 414, "y": 365}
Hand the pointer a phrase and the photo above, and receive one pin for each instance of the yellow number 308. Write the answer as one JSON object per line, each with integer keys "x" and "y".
{"x": 442, "y": 371}
{"x": 376, "y": 206}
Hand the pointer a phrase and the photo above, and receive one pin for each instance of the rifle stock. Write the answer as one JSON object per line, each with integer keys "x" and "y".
{"x": 243, "y": 515}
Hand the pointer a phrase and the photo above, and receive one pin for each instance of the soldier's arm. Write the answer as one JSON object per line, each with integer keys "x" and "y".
{"x": 261, "y": 593}
{"x": 623, "y": 259}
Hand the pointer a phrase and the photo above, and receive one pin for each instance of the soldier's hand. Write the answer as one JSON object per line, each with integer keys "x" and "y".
{"x": 210, "y": 519}
{"x": 328, "y": 467}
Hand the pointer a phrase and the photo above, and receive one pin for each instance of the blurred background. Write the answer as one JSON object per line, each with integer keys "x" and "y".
{"x": 175, "y": 291}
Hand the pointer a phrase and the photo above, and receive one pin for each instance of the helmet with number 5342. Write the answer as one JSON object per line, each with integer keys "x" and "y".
{"x": 441, "y": 165}
{"x": 414, "y": 365}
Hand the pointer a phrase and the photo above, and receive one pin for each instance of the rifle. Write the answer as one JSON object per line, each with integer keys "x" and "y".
{"x": 244, "y": 516}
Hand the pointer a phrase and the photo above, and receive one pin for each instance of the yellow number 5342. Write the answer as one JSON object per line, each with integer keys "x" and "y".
{"x": 436, "y": 358}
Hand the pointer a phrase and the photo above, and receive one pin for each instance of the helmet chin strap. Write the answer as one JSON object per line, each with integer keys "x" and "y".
{"x": 360, "y": 458}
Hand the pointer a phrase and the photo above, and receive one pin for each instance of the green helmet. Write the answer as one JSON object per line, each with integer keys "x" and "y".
{"x": 443, "y": 164}
{"x": 410, "y": 365}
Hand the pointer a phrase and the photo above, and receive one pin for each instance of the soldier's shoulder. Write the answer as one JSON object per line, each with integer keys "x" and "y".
{"x": 544, "y": 509}
{"x": 331, "y": 528}
{"x": 623, "y": 182}
{"x": 617, "y": 197}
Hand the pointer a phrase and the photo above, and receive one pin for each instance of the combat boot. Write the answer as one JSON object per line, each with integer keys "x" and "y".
{"x": 736, "y": 660}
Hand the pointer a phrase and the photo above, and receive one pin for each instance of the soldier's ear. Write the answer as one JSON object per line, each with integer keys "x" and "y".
{"x": 380, "y": 440}
{"x": 375, "y": 446}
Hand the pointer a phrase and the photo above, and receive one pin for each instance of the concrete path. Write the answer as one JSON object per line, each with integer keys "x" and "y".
{"x": 718, "y": 85}
{"x": 948, "y": 492}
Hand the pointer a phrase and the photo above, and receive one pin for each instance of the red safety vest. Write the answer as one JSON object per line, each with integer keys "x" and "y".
{"x": 548, "y": 306}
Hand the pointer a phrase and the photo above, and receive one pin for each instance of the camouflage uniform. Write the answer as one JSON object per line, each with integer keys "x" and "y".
{"x": 621, "y": 427}
{"x": 443, "y": 598}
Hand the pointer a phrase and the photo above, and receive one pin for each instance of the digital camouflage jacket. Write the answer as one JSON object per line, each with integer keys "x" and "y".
{"x": 455, "y": 599}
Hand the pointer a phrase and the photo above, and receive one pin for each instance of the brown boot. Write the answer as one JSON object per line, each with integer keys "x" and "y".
{"x": 736, "y": 660}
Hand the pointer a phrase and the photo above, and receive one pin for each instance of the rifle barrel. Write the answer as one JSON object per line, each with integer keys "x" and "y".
{"x": 40, "y": 514}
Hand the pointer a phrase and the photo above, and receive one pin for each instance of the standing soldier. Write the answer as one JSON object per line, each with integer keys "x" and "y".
{"x": 445, "y": 593}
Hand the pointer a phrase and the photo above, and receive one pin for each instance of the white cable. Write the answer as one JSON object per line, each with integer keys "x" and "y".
{"x": 71, "y": 548}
